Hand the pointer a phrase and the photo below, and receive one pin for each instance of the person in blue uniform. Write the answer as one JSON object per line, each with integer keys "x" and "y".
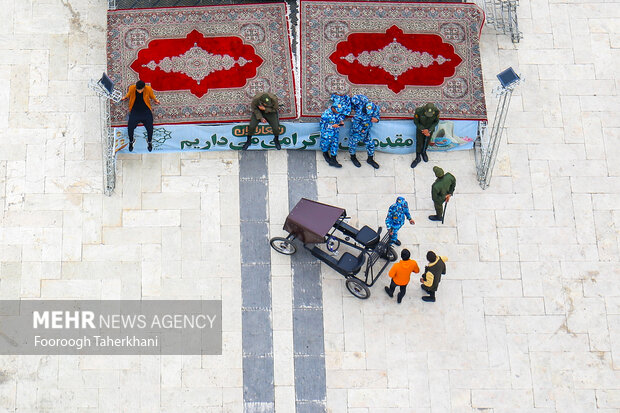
{"x": 366, "y": 113}
{"x": 331, "y": 121}
{"x": 396, "y": 218}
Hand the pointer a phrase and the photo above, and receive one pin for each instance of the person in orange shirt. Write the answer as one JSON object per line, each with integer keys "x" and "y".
{"x": 140, "y": 96}
{"x": 400, "y": 273}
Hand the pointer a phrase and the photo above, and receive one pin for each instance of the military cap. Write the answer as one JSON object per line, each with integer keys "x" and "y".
{"x": 430, "y": 109}
{"x": 438, "y": 171}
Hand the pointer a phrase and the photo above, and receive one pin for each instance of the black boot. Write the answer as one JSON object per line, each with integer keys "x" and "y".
{"x": 355, "y": 161}
{"x": 434, "y": 217}
{"x": 131, "y": 145}
{"x": 327, "y": 158}
{"x": 276, "y": 141}
{"x": 416, "y": 161}
{"x": 335, "y": 162}
{"x": 424, "y": 156}
{"x": 390, "y": 293}
{"x": 247, "y": 144}
{"x": 371, "y": 162}
{"x": 150, "y": 146}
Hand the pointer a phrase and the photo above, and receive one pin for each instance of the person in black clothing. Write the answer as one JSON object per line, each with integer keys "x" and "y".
{"x": 432, "y": 275}
{"x": 140, "y": 96}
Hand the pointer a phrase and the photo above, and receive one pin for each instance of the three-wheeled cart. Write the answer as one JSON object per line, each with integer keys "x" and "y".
{"x": 322, "y": 230}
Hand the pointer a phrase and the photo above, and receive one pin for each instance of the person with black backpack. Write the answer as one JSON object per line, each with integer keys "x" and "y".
{"x": 432, "y": 275}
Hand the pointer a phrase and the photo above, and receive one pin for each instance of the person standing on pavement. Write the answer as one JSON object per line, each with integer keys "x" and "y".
{"x": 331, "y": 122}
{"x": 264, "y": 109}
{"x": 441, "y": 191}
{"x": 366, "y": 113}
{"x": 432, "y": 275}
{"x": 426, "y": 119}
{"x": 395, "y": 218}
{"x": 400, "y": 273}
{"x": 140, "y": 111}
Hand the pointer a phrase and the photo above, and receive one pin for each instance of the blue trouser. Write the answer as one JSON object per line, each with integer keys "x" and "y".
{"x": 395, "y": 229}
{"x": 360, "y": 132}
{"x": 330, "y": 140}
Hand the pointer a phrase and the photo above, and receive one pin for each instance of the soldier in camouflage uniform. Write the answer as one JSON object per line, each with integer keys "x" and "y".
{"x": 331, "y": 120}
{"x": 264, "y": 109}
{"x": 366, "y": 113}
{"x": 442, "y": 190}
{"x": 425, "y": 119}
{"x": 396, "y": 218}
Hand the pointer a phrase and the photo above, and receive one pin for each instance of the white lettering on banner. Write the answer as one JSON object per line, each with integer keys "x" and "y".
{"x": 133, "y": 341}
{"x": 122, "y": 321}
{"x": 180, "y": 321}
{"x": 77, "y": 343}
{"x": 63, "y": 319}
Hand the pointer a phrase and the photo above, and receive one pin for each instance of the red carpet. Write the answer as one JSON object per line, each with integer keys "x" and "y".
{"x": 204, "y": 63}
{"x": 401, "y": 55}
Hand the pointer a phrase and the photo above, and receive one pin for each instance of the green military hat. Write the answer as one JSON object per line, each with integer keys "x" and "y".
{"x": 430, "y": 110}
{"x": 265, "y": 98}
{"x": 438, "y": 171}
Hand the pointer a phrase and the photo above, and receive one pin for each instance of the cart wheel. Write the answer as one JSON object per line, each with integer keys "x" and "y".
{"x": 391, "y": 255}
{"x": 357, "y": 288}
{"x": 332, "y": 244}
{"x": 283, "y": 245}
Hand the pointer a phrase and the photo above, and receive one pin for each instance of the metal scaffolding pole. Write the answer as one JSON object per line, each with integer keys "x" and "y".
{"x": 502, "y": 15}
{"x": 487, "y": 143}
{"x": 107, "y": 134}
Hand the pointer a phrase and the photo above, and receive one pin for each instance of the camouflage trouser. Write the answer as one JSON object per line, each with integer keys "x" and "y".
{"x": 330, "y": 140}
{"x": 394, "y": 236}
{"x": 359, "y": 132}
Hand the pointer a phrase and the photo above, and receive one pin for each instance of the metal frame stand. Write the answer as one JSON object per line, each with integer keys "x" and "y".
{"x": 502, "y": 15}
{"x": 487, "y": 142}
{"x": 107, "y": 134}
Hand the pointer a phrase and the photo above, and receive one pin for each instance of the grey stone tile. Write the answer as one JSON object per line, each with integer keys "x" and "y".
{"x": 253, "y": 165}
{"x": 256, "y": 286}
{"x": 308, "y": 332}
{"x": 253, "y": 200}
{"x": 258, "y": 379}
{"x": 310, "y": 407}
{"x": 301, "y": 188}
{"x": 309, "y": 378}
{"x": 301, "y": 164}
{"x": 255, "y": 243}
{"x": 256, "y": 332}
{"x": 307, "y": 287}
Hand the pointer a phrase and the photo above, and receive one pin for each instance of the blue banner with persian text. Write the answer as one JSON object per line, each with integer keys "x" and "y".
{"x": 391, "y": 136}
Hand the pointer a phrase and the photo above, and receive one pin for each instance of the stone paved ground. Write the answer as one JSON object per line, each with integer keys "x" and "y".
{"x": 527, "y": 318}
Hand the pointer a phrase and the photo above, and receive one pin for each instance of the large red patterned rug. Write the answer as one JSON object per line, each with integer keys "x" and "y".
{"x": 204, "y": 63}
{"x": 401, "y": 55}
